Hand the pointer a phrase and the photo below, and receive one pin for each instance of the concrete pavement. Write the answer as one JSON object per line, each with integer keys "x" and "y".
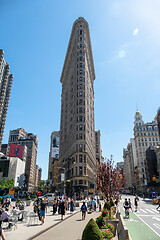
{"x": 25, "y": 231}
{"x": 71, "y": 229}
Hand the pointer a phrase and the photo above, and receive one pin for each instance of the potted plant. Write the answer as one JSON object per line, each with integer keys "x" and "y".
{"x": 28, "y": 201}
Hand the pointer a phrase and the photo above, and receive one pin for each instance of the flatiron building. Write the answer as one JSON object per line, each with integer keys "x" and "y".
{"x": 77, "y": 156}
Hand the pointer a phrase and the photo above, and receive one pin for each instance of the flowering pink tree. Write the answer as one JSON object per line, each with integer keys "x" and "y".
{"x": 108, "y": 181}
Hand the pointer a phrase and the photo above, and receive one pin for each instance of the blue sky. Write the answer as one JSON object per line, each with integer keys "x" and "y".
{"x": 125, "y": 37}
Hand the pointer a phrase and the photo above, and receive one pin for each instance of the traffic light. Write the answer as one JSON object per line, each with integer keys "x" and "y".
{"x": 154, "y": 179}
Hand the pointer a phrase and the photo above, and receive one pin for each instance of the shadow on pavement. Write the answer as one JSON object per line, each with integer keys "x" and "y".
{"x": 79, "y": 220}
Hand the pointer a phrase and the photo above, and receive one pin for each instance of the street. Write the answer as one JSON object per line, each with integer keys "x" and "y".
{"x": 145, "y": 223}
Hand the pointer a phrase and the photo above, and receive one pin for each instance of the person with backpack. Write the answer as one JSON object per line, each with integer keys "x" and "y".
{"x": 84, "y": 210}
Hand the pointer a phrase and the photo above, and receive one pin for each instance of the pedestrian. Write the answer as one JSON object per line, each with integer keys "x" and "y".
{"x": 62, "y": 206}
{"x": 83, "y": 209}
{"x": 47, "y": 203}
{"x": 158, "y": 203}
{"x": 130, "y": 204}
{"x": 71, "y": 205}
{"x": 1, "y": 231}
{"x": 136, "y": 199}
{"x": 100, "y": 206}
{"x": 42, "y": 211}
{"x": 54, "y": 207}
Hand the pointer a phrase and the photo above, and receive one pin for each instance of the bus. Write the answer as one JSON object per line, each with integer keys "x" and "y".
{"x": 7, "y": 193}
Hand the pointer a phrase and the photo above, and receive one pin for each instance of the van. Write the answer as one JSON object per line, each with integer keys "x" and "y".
{"x": 50, "y": 196}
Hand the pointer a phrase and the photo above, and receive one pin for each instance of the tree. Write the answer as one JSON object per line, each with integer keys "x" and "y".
{"x": 6, "y": 183}
{"x": 108, "y": 181}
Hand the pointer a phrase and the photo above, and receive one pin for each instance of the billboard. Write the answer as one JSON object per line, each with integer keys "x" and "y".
{"x": 55, "y": 147}
{"x": 16, "y": 150}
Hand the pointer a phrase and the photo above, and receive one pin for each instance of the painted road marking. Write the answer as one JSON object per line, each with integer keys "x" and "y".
{"x": 143, "y": 210}
{"x": 149, "y": 210}
{"x": 156, "y": 225}
{"x": 155, "y": 210}
{"x": 158, "y": 219}
{"x": 147, "y": 225}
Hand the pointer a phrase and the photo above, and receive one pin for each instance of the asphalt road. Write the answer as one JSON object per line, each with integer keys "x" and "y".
{"x": 146, "y": 214}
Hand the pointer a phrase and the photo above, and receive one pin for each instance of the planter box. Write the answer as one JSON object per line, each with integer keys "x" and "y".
{"x": 28, "y": 202}
{"x": 114, "y": 223}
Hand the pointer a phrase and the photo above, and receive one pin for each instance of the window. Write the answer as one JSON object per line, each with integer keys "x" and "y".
{"x": 76, "y": 170}
{"x": 80, "y": 79}
{"x": 81, "y": 46}
{"x": 80, "y": 94}
{"x": 80, "y": 65}
{"x": 80, "y": 101}
{"x": 80, "y": 72}
{"x": 153, "y": 144}
{"x": 80, "y": 147}
{"x": 80, "y": 118}
{"x": 80, "y": 182}
{"x": 153, "y": 139}
{"x": 75, "y": 182}
{"x": 140, "y": 129}
{"x": 143, "y": 129}
{"x": 144, "y": 134}
{"x": 148, "y": 134}
{"x": 80, "y": 86}
{"x": 80, "y": 32}
{"x": 80, "y": 136}
{"x": 80, "y": 158}
{"x": 85, "y": 158}
{"x": 81, "y": 59}
{"x": 80, "y": 110}
{"x": 80, "y": 171}
{"x": 84, "y": 170}
{"x": 80, "y": 127}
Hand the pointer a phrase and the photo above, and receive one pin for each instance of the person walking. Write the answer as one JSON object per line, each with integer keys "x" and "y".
{"x": 54, "y": 207}
{"x": 1, "y": 231}
{"x": 71, "y": 205}
{"x": 158, "y": 203}
{"x": 62, "y": 206}
{"x": 136, "y": 199}
{"x": 42, "y": 211}
{"x": 84, "y": 210}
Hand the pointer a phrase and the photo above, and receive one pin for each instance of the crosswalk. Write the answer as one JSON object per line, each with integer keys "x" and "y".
{"x": 147, "y": 211}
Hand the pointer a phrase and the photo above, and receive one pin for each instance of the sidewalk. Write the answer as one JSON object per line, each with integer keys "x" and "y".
{"x": 71, "y": 229}
{"x": 25, "y": 231}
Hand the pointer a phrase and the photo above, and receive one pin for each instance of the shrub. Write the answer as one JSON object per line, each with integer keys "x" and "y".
{"x": 100, "y": 221}
{"x": 0, "y": 199}
{"x": 110, "y": 226}
{"x": 28, "y": 198}
{"x": 107, "y": 233}
{"x": 92, "y": 231}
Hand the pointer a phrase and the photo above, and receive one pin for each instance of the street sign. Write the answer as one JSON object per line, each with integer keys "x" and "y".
{"x": 62, "y": 177}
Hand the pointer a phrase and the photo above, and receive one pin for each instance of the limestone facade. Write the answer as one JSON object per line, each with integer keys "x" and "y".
{"x": 77, "y": 128}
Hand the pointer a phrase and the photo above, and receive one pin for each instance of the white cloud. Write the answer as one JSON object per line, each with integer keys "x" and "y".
{"x": 135, "y": 32}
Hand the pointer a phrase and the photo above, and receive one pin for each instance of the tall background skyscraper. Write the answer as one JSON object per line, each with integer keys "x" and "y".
{"x": 30, "y": 141}
{"x": 5, "y": 89}
{"x": 77, "y": 129}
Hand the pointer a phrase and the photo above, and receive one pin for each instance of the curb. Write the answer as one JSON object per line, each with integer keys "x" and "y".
{"x": 45, "y": 230}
